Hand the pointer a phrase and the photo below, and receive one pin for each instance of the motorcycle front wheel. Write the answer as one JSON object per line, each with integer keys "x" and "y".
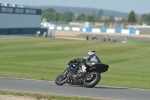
{"x": 61, "y": 78}
{"x": 92, "y": 80}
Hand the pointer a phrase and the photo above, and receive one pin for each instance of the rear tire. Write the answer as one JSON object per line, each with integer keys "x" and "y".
{"x": 92, "y": 80}
{"x": 61, "y": 78}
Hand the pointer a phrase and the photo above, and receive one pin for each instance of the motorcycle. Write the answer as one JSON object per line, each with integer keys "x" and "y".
{"x": 75, "y": 74}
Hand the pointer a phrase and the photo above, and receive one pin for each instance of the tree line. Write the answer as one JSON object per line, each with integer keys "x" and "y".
{"x": 52, "y": 16}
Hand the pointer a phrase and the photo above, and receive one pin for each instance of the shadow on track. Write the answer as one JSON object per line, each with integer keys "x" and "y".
{"x": 96, "y": 87}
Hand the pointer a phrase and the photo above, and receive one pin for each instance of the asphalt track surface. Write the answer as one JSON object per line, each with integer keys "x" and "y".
{"x": 119, "y": 37}
{"x": 49, "y": 87}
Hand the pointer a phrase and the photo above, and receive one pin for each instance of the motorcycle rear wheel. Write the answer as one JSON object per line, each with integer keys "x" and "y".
{"x": 92, "y": 80}
{"x": 61, "y": 78}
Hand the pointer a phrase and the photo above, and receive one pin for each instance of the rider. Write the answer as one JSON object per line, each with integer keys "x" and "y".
{"x": 90, "y": 60}
{"x": 92, "y": 57}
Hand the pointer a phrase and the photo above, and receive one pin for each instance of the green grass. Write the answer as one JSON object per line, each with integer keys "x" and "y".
{"x": 45, "y": 58}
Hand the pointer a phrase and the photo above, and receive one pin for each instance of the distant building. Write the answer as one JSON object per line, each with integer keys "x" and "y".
{"x": 15, "y": 19}
{"x": 118, "y": 18}
{"x": 115, "y": 18}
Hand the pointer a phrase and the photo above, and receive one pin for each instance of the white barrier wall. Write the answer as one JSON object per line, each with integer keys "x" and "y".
{"x": 93, "y": 30}
{"x": 75, "y": 29}
{"x": 110, "y": 30}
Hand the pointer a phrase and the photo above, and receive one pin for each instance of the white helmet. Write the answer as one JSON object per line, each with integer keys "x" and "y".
{"x": 92, "y": 52}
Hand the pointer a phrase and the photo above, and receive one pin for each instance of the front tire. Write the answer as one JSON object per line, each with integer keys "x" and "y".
{"x": 92, "y": 80}
{"x": 61, "y": 78}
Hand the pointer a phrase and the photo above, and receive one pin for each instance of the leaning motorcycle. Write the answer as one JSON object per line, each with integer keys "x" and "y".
{"x": 74, "y": 74}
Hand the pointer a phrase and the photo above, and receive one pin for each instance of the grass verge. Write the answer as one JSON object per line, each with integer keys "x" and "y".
{"x": 39, "y": 96}
{"x": 45, "y": 58}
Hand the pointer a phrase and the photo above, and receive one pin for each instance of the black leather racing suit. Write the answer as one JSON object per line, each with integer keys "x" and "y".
{"x": 88, "y": 61}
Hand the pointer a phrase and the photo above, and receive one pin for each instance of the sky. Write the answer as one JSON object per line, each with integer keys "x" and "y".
{"x": 138, "y": 6}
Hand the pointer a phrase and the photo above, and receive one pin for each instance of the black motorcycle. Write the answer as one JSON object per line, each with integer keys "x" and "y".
{"x": 74, "y": 74}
